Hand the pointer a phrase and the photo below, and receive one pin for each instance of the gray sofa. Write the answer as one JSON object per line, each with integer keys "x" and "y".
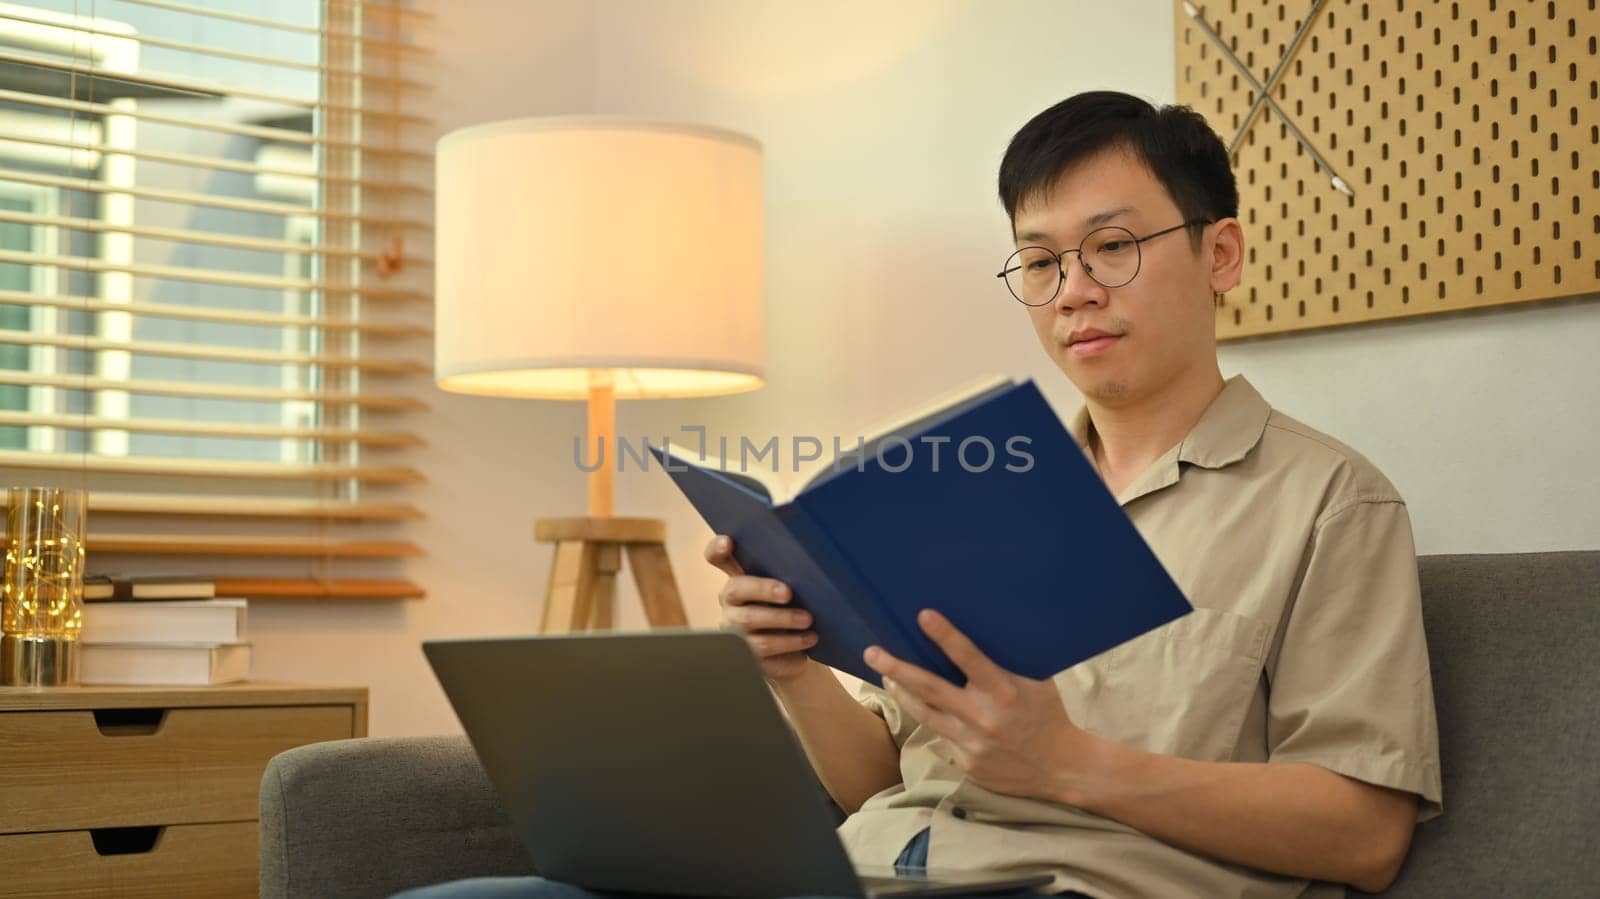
{"x": 1515, "y": 646}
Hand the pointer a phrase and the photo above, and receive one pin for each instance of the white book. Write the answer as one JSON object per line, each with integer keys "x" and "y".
{"x": 165, "y": 621}
{"x": 152, "y": 664}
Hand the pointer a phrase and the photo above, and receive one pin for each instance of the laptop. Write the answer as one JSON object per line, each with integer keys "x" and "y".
{"x": 660, "y": 763}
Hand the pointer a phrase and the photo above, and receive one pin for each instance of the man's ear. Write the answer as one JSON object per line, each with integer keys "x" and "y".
{"x": 1227, "y": 255}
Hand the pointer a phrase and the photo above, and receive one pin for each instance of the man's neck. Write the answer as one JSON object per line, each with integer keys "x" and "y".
{"x": 1126, "y": 438}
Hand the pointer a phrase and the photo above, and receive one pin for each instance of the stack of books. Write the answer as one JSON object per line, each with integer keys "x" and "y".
{"x": 161, "y": 630}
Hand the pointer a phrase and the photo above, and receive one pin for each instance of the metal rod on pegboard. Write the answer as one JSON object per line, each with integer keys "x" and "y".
{"x": 1262, "y": 96}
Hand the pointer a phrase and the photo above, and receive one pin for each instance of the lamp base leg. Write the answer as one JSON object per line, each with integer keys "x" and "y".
{"x": 582, "y": 591}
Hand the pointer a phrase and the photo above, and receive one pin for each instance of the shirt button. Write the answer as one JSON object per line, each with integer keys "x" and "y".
{"x": 959, "y": 812}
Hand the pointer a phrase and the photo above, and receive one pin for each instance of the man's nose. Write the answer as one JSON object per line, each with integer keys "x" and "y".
{"x": 1078, "y": 289}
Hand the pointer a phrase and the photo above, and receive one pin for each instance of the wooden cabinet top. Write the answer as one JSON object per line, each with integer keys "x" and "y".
{"x": 254, "y": 693}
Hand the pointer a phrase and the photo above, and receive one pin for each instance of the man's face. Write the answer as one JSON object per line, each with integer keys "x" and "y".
{"x": 1163, "y": 317}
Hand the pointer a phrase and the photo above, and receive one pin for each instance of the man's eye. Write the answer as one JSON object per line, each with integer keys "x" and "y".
{"x": 1113, "y": 246}
{"x": 1040, "y": 264}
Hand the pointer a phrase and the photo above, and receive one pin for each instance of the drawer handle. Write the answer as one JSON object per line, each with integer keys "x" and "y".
{"x": 125, "y": 840}
{"x": 129, "y": 722}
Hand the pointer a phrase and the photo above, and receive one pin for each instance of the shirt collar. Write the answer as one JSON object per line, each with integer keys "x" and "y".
{"x": 1226, "y": 432}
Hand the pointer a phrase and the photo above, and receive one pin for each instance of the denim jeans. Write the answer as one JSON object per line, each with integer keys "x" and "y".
{"x": 913, "y": 856}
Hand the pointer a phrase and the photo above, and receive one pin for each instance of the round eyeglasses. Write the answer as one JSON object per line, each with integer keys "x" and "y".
{"x": 1109, "y": 255}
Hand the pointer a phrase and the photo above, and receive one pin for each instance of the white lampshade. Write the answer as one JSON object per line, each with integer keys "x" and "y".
{"x": 567, "y": 246}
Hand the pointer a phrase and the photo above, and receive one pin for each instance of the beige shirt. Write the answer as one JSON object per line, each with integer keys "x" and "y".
{"x": 1305, "y": 644}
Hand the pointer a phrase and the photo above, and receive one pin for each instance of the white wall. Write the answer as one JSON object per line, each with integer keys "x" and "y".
{"x": 884, "y": 124}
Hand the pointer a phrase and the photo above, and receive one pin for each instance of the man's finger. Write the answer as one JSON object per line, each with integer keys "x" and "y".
{"x": 940, "y": 721}
{"x": 928, "y": 687}
{"x": 719, "y": 552}
{"x": 978, "y": 667}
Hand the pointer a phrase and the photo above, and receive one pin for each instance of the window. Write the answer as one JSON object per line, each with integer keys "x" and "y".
{"x": 214, "y": 291}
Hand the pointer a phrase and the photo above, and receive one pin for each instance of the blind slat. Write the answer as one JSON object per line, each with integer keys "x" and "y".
{"x": 208, "y": 314}
{"x": 69, "y": 422}
{"x": 214, "y": 353}
{"x": 220, "y": 164}
{"x": 380, "y": 8}
{"x": 197, "y": 89}
{"x": 264, "y": 132}
{"x": 373, "y": 401}
{"x": 192, "y": 545}
{"x": 110, "y": 503}
{"x": 193, "y": 199}
{"x": 207, "y": 468}
{"x": 207, "y": 276}
{"x": 79, "y": 25}
{"x": 215, "y": 238}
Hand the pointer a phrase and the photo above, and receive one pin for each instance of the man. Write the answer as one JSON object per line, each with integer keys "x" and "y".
{"x": 1277, "y": 741}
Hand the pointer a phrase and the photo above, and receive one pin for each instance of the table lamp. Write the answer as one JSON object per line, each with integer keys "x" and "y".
{"x": 598, "y": 259}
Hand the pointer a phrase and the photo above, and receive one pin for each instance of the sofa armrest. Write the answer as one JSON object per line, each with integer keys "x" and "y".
{"x": 373, "y": 816}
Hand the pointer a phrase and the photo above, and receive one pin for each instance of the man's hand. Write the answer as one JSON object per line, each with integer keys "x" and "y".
{"x": 757, "y": 607}
{"x": 1011, "y": 734}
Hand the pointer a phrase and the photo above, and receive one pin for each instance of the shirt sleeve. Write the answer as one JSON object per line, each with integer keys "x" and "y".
{"x": 1350, "y": 688}
{"x": 880, "y": 703}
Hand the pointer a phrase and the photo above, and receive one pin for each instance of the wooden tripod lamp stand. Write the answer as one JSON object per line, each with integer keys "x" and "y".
{"x": 598, "y": 259}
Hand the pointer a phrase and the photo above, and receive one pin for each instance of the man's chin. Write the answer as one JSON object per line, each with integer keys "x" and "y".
{"x": 1103, "y": 388}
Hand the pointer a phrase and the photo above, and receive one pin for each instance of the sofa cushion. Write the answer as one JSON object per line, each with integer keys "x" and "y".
{"x": 1514, "y": 642}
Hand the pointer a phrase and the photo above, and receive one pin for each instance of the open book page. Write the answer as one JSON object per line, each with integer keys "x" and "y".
{"x": 778, "y": 488}
{"x": 766, "y": 487}
{"x": 907, "y": 425}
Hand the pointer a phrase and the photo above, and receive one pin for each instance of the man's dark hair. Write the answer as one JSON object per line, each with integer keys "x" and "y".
{"x": 1175, "y": 142}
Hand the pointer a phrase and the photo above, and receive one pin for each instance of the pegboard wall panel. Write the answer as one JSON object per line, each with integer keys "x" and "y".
{"x": 1466, "y": 133}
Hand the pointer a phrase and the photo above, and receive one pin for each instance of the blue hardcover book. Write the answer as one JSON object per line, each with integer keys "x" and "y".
{"x": 982, "y": 507}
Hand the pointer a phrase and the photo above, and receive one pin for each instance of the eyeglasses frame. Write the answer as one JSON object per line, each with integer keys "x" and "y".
{"x": 1061, "y": 267}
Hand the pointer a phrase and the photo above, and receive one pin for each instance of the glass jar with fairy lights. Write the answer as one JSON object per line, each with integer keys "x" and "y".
{"x": 42, "y": 586}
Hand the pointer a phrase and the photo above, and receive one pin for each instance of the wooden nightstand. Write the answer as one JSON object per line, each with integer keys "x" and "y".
{"x": 148, "y": 791}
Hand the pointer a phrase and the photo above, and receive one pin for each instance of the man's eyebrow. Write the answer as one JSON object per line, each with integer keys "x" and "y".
{"x": 1100, "y": 218}
{"x": 1093, "y": 221}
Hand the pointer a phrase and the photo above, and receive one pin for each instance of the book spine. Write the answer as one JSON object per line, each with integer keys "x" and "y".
{"x": 851, "y": 585}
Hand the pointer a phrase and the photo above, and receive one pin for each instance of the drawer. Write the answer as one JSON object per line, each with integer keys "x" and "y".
{"x": 181, "y": 860}
{"x": 75, "y": 770}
